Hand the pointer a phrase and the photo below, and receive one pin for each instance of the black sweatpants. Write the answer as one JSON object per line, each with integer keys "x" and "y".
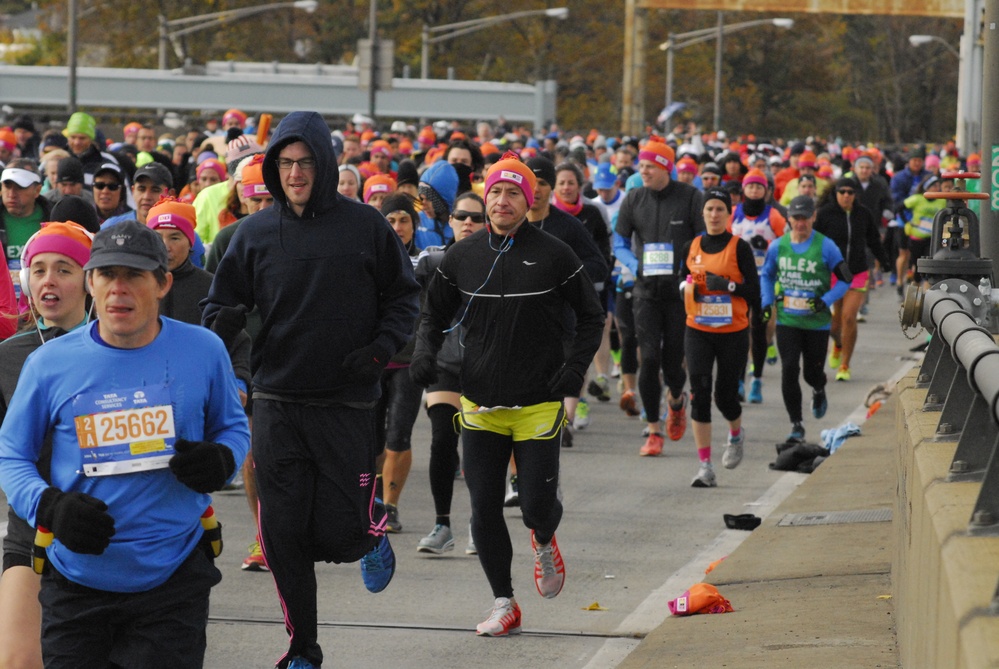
{"x": 660, "y": 325}
{"x": 759, "y": 341}
{"x": 161, "y": 628}
{"x": 486, "y": 456}
{"x": 800, "y": 351}
{"x": 315, "y": 468}
{"x": 703, "y": 350}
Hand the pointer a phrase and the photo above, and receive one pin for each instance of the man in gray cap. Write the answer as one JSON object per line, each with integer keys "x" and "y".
{"x": 802, "y": 263}
{"x": 153, "y": 403}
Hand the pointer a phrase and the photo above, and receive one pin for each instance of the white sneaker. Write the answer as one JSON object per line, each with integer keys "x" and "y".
{"x": 582, "y": 419}
{"x": 440, "y": 540}
{"x": 504, "y": 619}
{"x": 733, "y": 450}
{"x": 512, "y": 497}
{"x": 705, "y": 477}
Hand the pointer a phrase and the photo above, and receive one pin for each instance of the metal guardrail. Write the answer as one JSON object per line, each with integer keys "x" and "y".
{"x": 960, "y": 370}
{"x": 328, "y": 91}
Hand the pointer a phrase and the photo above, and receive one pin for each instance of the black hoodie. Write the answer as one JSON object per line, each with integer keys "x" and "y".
{"x": 331, "y": 281}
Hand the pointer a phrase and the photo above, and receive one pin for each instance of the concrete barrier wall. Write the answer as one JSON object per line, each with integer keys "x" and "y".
{"x": 943, "y": 578}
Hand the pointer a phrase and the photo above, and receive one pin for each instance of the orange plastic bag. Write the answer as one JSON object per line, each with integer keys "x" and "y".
{"x": 700, "y": 598}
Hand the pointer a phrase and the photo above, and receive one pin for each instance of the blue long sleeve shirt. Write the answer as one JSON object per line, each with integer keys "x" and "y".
{"x": 831, "y": 256}
{"x": 185, "y": 372}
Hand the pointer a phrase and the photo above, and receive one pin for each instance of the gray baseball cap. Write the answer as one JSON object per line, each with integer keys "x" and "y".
{"x": 128, "y": 244}
{"x": 801, "y": 206}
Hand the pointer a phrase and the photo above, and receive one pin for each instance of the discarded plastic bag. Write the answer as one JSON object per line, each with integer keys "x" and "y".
{"x": 700, "y": 598}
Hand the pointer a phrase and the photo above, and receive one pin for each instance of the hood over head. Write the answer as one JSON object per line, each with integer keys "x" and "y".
{"x": 310, "y": 128}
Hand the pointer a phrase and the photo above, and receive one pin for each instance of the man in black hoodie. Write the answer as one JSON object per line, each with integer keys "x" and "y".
{"x": 337, "y": 298}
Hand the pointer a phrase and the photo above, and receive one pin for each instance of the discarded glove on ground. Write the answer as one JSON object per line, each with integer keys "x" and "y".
{"x": 701, "y": 598}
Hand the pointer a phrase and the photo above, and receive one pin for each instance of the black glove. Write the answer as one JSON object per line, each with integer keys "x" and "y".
{"x": 423, "y": 370}
{"x": 366, "y": 364}
{"x": 714, "y": 283}
{"x": 81, "y": 522}
{"x": 228, "y": 323}
{"x": 201, "y": 465}
{"x": 816, "y": 305}
{"x": 766, "y": 313}
{"x": 566, "y": 382}
{"x": 759, "y": 242}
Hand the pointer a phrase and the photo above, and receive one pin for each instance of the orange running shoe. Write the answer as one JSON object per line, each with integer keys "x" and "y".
{"x": 653, "y": 445}
{"x": 628, "y": 403}
{"x": 549, "y": 570}
{"x": 676, "y": 419}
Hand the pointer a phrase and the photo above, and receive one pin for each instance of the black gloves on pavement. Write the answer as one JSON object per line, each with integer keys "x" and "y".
{"x": 366, "y": 364}
{"x": 423, "y": 370}
{"x": 228, "y": 323}
{"x": 202, "y": 465}
{"x": 566, "y": 382}
{"x": 80, "y": 521}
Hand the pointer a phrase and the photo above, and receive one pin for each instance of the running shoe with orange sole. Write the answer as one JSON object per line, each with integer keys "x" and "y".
{"x": 549, "y": 570}
{"x": 629, "y": 404}
{"x": 653, "y": 445}
{"x": 503, "y": 620}
{"x": 676, "y": 420}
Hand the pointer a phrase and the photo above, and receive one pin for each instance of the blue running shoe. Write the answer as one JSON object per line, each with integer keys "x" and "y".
{"x": 378, "y": 566}
{"x": 300, "y": 663}
{"x": 797, "y": 432}
{"x": 742, "y": 390}
{"x": 756, "y": 391}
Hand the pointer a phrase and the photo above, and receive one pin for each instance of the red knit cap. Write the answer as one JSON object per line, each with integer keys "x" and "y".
{"x": 511, "y": 170}
{"x": 659, "y": 152}
{"x": 755, "y": 176}
{"x": 234, "y": 114}
{"x": 170, "y": 212}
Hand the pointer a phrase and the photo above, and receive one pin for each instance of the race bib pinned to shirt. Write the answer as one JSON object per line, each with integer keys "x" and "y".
{"x": 713, "y": 310}
{"x": 796, "y": 302}
{"x": 657, "y": 259}
{"x": 125, "y": 431}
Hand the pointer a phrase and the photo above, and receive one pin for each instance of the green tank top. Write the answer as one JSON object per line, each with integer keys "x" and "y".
{"x": 802, "y": 276}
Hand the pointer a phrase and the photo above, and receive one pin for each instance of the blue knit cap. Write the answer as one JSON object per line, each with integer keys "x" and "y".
{"x": 443, "y": 178}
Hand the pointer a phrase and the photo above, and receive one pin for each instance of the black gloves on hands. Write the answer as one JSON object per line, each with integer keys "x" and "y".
{"x": 816, "y": 305}
{"x": 423, "y": 370}
{"x": 80, "y": 521}
{"x": 228, "y": 323}
{"x": 766, "y": 313}
{"x": 566, "y": 382}
{"x": 715, "y": 283}
{"x": 366, "y": 364}
{"x": 201, "y": 465}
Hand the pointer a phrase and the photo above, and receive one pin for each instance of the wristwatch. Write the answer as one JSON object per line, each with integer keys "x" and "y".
{"x": 731, "y": 286}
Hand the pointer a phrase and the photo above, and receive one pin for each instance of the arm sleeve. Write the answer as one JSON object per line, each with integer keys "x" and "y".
{"x": 225, "y": 420}
{"x": 399, "y": 294}
{"x": 834, "y": 261}
{"x": 440, "y": 305}
{"x": 582, "y": 298}
{"x": 623, "y": 252}
{"x": 749, "y": 289}
{"x": 21, "y": 436}
{"x": 768, "y": 275}
{"x": 585, "y": 246}
{"x": 233, "y": 281}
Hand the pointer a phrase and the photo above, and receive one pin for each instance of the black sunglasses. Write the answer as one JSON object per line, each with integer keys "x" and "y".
{"x": 100, "y": 185}
{"x": 465, "y": 215}
{"x": 846, "y": 191}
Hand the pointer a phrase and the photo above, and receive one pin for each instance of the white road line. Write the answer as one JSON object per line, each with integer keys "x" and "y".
{"x": 654, "y": 610}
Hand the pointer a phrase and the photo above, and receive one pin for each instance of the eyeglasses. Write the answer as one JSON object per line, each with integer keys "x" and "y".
{"x": 101, "y": 185}
{"x": 303, "y": 163}
{"x": 466, "y": 215}
{"x": 846, "y": 191}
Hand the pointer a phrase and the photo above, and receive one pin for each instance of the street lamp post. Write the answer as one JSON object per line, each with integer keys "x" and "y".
{"x": 963, "y": 88}
{"x": 683, "y": 40}
{"x": 472, "y": 25}
{"x": 193, "y": 24}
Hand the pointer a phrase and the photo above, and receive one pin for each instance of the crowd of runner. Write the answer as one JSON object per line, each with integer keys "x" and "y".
{"x": 675, "y": 267}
